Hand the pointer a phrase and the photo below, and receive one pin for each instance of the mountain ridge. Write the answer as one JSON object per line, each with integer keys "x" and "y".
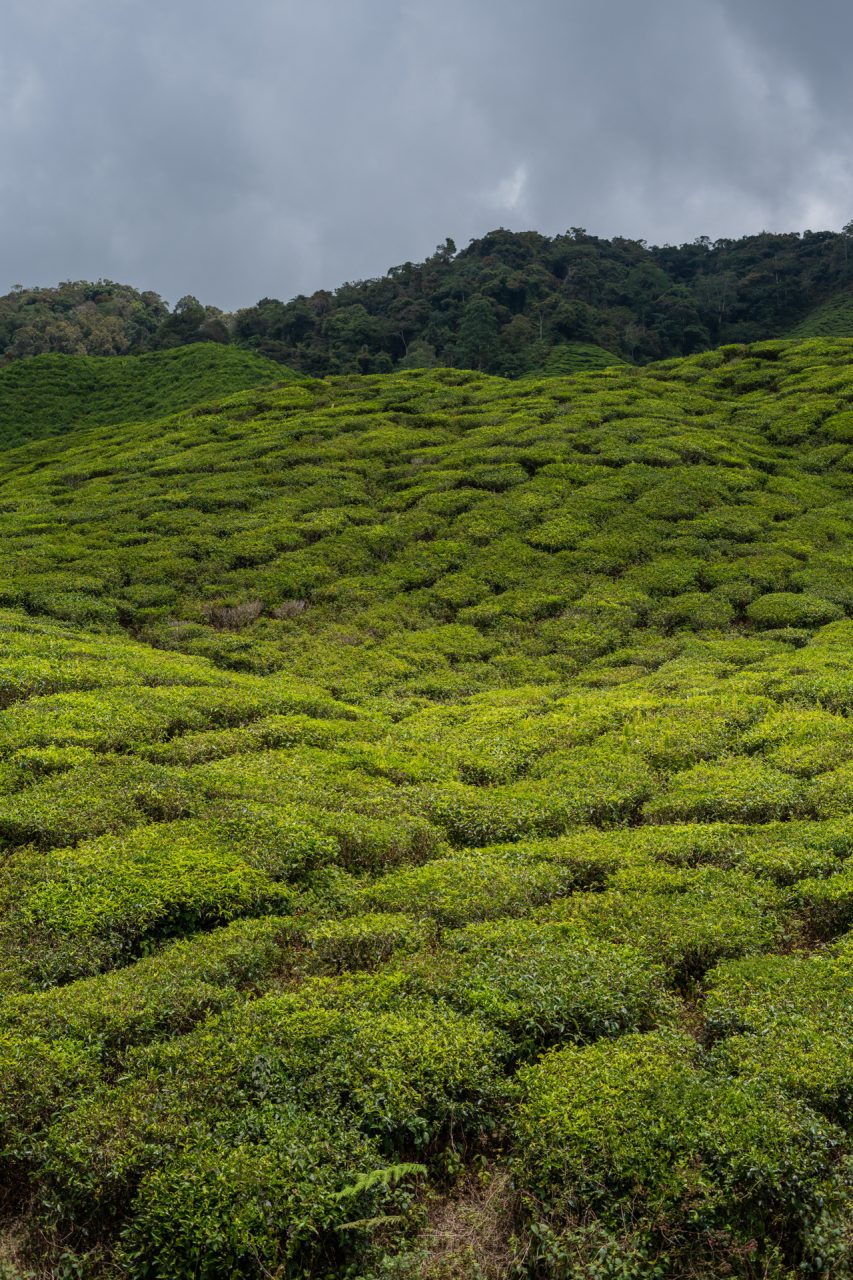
{"x": 502, "y": 304}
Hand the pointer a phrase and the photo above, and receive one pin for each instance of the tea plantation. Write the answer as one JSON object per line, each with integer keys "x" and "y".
{"x": 51, "y": 394}
{"x": 426, "y": 830}
{"x": 833, "y": 319}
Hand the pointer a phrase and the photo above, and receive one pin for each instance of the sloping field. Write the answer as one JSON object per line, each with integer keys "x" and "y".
{"x": 833, "y": 319}
{"x": 52, "y": 394}
{"x": 426, "y": 807}
{"x": 579, "y": 357}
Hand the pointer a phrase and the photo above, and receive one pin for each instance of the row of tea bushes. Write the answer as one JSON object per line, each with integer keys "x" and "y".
{"x": 412, "y": 782}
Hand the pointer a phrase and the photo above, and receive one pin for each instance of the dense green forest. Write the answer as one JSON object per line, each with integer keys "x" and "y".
{"x": 426, "y": 826}
{"x": 511, "y": 303}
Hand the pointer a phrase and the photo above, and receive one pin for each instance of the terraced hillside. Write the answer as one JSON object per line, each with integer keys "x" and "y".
{"x": 833, "y": 319}
{"x": 578, "y": 357}
{"x": 52, "y": 394}
{"x": 426, "y": 807}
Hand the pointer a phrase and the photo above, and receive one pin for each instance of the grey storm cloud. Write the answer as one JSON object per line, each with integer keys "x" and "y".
{"x": 236, "y": 151}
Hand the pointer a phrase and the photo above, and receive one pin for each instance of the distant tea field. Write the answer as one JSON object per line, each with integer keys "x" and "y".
{"x": 426, "y": 820}
{"x": 50, "y": 395}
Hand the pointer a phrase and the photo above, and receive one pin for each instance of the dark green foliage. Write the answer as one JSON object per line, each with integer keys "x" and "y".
{"x": 286, "y": 1196}
{"x": 519, "y": 302}
{"x": 514, "y": 303}
{"x": 101, "y": 318}
{"x": 785, "y": 609}
{"x": 401, "y": 1076}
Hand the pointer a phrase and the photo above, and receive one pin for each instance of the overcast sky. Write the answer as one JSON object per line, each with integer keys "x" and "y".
{"x": 274, "y": 147}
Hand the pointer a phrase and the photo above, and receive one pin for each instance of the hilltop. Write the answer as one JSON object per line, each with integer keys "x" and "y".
{"x": 511, "y": 303}
{"x": 426, "y": 806}
{"x": 54, "y": 394}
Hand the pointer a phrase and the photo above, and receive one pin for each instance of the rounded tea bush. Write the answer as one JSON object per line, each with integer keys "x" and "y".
{"x": 789, "y": 609}
{"x": 734, "y": 789}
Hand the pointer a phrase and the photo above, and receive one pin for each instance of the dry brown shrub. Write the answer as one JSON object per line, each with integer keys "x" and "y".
{"x": 233, "y": 617}
{"x": 290, "y": 609}
{"x": 471, "y": 1231}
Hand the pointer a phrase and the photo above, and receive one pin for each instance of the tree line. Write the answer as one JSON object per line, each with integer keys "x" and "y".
{"x": 510, "y": 303}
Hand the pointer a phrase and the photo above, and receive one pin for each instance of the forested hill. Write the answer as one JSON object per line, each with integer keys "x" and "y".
{"x": 510, "y": 303}
{"x": 516, "y": 302}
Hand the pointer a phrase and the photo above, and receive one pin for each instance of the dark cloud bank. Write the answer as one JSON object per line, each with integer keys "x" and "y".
{"x": 233, "y": 151}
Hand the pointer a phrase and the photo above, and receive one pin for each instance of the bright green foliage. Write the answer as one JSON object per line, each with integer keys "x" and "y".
{"x": 635, "y": 1128}
{"x": 165, "y": 993}
{"x": 826, "y": 904}
{"x": 789, "y": 851}
{"x": 803, "y": 742}
{"x": 470, "y": 887}
{"x": 109, "y": 795}
{"x": 733, "y": 789}
{"x": 577, "y": 357}
{"x": 686, "y": 919}
{"x": 545, "y": 983}
{"x": 423, "y": 776}
{"x": 788, "y": 1020}
{"x": 76, "y": 911}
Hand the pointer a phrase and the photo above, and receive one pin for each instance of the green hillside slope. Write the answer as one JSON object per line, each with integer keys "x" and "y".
{"x": 426, "y": 807}
{"x": 833, "y": 319}
{"x": 52, "y": 394}
{"x": 578, "y": 357}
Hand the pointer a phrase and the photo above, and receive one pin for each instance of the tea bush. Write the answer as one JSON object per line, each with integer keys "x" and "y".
{"x": 53, "y": 394}
{"x": 401, "y": 1077}
{"x": 77, "y": 911}
{"x": 826, "y": 904}
{"x": 110, "y": 795}
{"x": 425, "y": 802}
{"x": 787, "y": 609}
{"x": 162, "y": 994}
{"x": 686, "y": 921}
{"x": 734, "y": 789}
{"x": 470, "y": 887}
{"x": 787, "y": 1020}
{"x": 545, "y": 983}
{"x": 289, "y": 1195}
{"x": 634, "y": 1128}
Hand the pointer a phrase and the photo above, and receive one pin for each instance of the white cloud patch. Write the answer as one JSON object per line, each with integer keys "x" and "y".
{"x": 508, "y": 195}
